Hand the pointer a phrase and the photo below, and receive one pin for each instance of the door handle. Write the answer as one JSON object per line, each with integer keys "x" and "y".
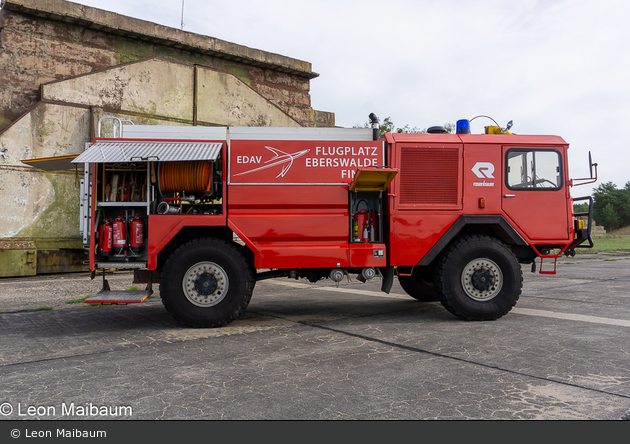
{"x": 509, "y": 195}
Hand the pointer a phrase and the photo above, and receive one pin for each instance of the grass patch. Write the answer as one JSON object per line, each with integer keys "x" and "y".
{"x": 78, "y": 301}
{"x": 81, "y": 300}
{"x": 608, "y": 245}
{"x": 40, "y": 309}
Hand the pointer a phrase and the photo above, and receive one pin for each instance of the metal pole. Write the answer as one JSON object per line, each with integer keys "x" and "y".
{"x": 182, "y": 15}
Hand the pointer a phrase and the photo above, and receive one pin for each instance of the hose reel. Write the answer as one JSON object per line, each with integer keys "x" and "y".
{"x": 189, "y": 181}
{"x": 189, "y": 177}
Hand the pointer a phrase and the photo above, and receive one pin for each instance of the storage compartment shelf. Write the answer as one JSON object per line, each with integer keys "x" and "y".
{"x": 113, "y": 264}
{"x": 123, "y": 204}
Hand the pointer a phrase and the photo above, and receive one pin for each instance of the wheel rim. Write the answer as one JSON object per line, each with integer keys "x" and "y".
{"x": 205, "y": 284}
{"x": 482, "y": 279}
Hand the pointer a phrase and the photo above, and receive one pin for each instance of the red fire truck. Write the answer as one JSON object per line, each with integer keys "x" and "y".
{"x": 209, "y": 211}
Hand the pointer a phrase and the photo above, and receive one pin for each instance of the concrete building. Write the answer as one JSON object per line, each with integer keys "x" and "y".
{"x": 63, "y": 66}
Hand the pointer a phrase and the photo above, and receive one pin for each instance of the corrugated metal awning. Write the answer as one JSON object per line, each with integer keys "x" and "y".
{"x": 115, "y": 152}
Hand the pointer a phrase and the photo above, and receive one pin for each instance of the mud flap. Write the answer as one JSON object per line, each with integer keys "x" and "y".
{"x": 388, "y": 278}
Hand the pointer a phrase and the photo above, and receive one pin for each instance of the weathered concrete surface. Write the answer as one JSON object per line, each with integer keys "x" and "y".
{"x": 226, "y": 100}
{"x": 47, "y": 130}
{"x": 107, "y": 126}
{"x": 35, "y": 203}
{"x": 316, "y": 351}
{"x": 161, "y": 89}
{"x": 153, "y": 87}
{"x": 111, "y": 22}
{"x": 45, "y": 41}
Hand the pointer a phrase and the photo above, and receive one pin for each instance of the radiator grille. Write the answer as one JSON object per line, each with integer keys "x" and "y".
{"x": 428, "y": 176}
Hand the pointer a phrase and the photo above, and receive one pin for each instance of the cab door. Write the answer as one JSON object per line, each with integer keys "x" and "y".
{"x": 534, "y": 195}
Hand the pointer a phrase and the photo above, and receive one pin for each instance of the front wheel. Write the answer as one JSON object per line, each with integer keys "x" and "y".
{"x": 478, "y": 278}
{"x": 206, "y": 283}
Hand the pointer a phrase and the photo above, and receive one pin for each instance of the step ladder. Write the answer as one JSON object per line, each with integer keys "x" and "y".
{"x": 108, "y": 296}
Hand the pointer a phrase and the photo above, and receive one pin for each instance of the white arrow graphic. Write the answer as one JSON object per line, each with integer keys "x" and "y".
{"x": 280, "y": 158}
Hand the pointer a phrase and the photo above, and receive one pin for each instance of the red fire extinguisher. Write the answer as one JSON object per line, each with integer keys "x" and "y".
{"x": 136, "y": 234}
{"x": 120, "y": 235}
{"x": 360, "y": 219}
{"x": 105, "y": 236}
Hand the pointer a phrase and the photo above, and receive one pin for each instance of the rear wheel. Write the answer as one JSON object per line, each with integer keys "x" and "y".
{"x": 478, "y": 278}
{"x": 206, "y": 283}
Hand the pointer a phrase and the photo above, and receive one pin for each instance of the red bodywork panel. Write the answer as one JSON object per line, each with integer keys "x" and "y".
{"x": 289, "y": 201}
{"x": 425, "y": 198}
{"x": 292, "y": 226}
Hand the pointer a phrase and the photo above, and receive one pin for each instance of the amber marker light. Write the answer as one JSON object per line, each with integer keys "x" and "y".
{"x": 482, "y": 203}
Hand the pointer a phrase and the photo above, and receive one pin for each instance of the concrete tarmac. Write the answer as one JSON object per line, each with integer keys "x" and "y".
{"x": 319, "y": 351}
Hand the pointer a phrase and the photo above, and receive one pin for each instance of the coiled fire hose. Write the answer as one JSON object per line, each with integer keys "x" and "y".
{"x": 188, "y": 177}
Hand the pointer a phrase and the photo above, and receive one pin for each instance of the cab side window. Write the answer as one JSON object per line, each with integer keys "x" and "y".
{"x": 533, "y": 169}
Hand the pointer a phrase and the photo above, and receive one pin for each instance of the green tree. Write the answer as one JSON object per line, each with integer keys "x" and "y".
{"x": 609, "y": 218}
{"x": 619, "y": 200}
{"x": 580, "y": 208}
{"x": 388, "y": 126}
{"x": 624, "y": 201}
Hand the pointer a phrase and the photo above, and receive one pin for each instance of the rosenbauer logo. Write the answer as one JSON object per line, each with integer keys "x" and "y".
{"x": 483, "y": 170}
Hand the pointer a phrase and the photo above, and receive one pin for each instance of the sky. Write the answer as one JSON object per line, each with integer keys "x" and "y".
{"x": 558, "y": 67}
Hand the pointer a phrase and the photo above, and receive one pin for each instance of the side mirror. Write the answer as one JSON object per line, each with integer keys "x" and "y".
{"x": 591, "y": 179}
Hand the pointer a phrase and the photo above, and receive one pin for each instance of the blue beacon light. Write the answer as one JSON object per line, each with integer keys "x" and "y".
{"x": 463, "y": 126}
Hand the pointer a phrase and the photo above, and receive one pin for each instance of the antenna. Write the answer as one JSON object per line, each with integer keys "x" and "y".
{"x": 182, "y": 15}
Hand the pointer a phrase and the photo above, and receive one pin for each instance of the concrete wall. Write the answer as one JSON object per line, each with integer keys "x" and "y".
{"x": 166, "y": 90}
{"x": 63, "y": 66}
{"x": 43, "y": 41}
{"x": 40, "y": 210}
{"x": 36, "y": 203}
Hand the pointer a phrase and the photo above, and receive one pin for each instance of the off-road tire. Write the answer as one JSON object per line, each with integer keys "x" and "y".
{"x": 478, "y": 278}
{"x": 206, "y": 283}
{"x": 419, "y": 287}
